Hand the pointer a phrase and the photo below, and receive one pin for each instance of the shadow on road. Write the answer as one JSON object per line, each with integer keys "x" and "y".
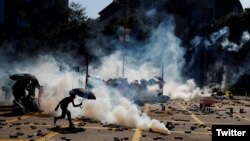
{"x": 66, "y": 130}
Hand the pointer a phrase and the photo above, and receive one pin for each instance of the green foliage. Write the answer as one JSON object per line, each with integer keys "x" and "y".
{"x": 76, "y": 28}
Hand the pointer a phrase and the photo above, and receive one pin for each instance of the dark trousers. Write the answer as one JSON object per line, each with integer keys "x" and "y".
{"x": 64, "y": 113}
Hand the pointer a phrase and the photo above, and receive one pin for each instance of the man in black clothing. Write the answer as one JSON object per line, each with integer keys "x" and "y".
{"x": 18, "y": 89}
{"x": 64, "y": 104}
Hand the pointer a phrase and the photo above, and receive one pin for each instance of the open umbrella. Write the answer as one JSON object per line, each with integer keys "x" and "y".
{"x": 23, "y": 76}
{"x": 84, "y": 93}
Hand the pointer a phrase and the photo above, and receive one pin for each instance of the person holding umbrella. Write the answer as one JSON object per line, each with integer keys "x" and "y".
{"x": 64, "y": 104}
{"x": 25, "y": 103}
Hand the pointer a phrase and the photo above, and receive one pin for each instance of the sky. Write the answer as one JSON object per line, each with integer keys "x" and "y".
{"x": 245, "y": 3}
{"x": 95, "y": 6}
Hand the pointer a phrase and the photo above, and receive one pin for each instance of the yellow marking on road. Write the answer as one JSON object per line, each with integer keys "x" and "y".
{"x": 16, "y": 119}
{"x": 11, "y": 140}
{"x": 137, "y": 134}
{"x": 4, "y": 112}
{"x": 48, "y": 136}
{"x": 196, "y": 119}
{"x": 193, "y": 116}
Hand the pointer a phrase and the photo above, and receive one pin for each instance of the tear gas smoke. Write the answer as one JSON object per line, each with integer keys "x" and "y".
{"x": 111, "y": 107}
{"x": 163, "y": 48}
{"x": 186, "y": 91}
{"x": 219, "y": 61}
{"x": 221, "y": 37}
{"x": 231, "y": 46}
{"x": 56, "y": 84}
{"x": 108, "y": 68}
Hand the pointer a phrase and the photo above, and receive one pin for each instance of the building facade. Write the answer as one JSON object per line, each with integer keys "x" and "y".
{"x": 197, "y": 10}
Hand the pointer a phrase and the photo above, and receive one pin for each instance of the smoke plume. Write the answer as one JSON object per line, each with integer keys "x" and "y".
{"x": 111, "y": 107}
{"x": 219, "y": 57}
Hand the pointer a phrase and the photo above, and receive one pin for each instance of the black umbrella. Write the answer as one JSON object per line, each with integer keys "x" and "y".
{"x": 87, "y": 94}
{"x": 25, "y": 77}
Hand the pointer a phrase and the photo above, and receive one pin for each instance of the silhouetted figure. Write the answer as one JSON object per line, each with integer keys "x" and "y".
{"x": 18, "y": 89}
{"x": 24, "y": 103}
{"x": 64, "y": 105}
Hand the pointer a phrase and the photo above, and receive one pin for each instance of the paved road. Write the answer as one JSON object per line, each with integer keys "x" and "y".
{"x": 39, "y": 126}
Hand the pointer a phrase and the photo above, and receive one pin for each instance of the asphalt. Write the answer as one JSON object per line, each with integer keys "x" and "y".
{"x": 191, "y": 123}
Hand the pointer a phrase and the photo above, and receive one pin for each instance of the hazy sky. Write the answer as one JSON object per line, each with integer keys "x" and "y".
{"x": 245, "y": 3}
{"x": 95, "y": 6}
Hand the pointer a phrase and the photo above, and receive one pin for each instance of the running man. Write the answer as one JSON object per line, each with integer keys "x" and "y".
{"x": 64, "y": 105}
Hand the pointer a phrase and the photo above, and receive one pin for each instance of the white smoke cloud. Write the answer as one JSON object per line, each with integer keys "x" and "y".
{"x": 231, "y": 46}
{"x": 108, "y": 68}
{"x": 214, "y": 37}
{"x": 56, "y": 84}
{"x": 221, "y": 37}
{"x": 111, "y": 107}
{"x": 163, "y": 48}
{"x": 151, "y": 13}
{"x": 187, "y": 91}
{"x": 221, "y": 61}
{"x": 245, "y": 37}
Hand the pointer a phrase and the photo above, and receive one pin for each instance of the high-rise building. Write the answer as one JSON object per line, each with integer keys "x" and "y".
{"x": 192, "y": 9}
{"x": 192, "y": 17}
{"x": 124, "y": 8}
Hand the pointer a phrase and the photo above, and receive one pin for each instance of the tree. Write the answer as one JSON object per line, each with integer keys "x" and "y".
{"x": 76, "y": 28}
